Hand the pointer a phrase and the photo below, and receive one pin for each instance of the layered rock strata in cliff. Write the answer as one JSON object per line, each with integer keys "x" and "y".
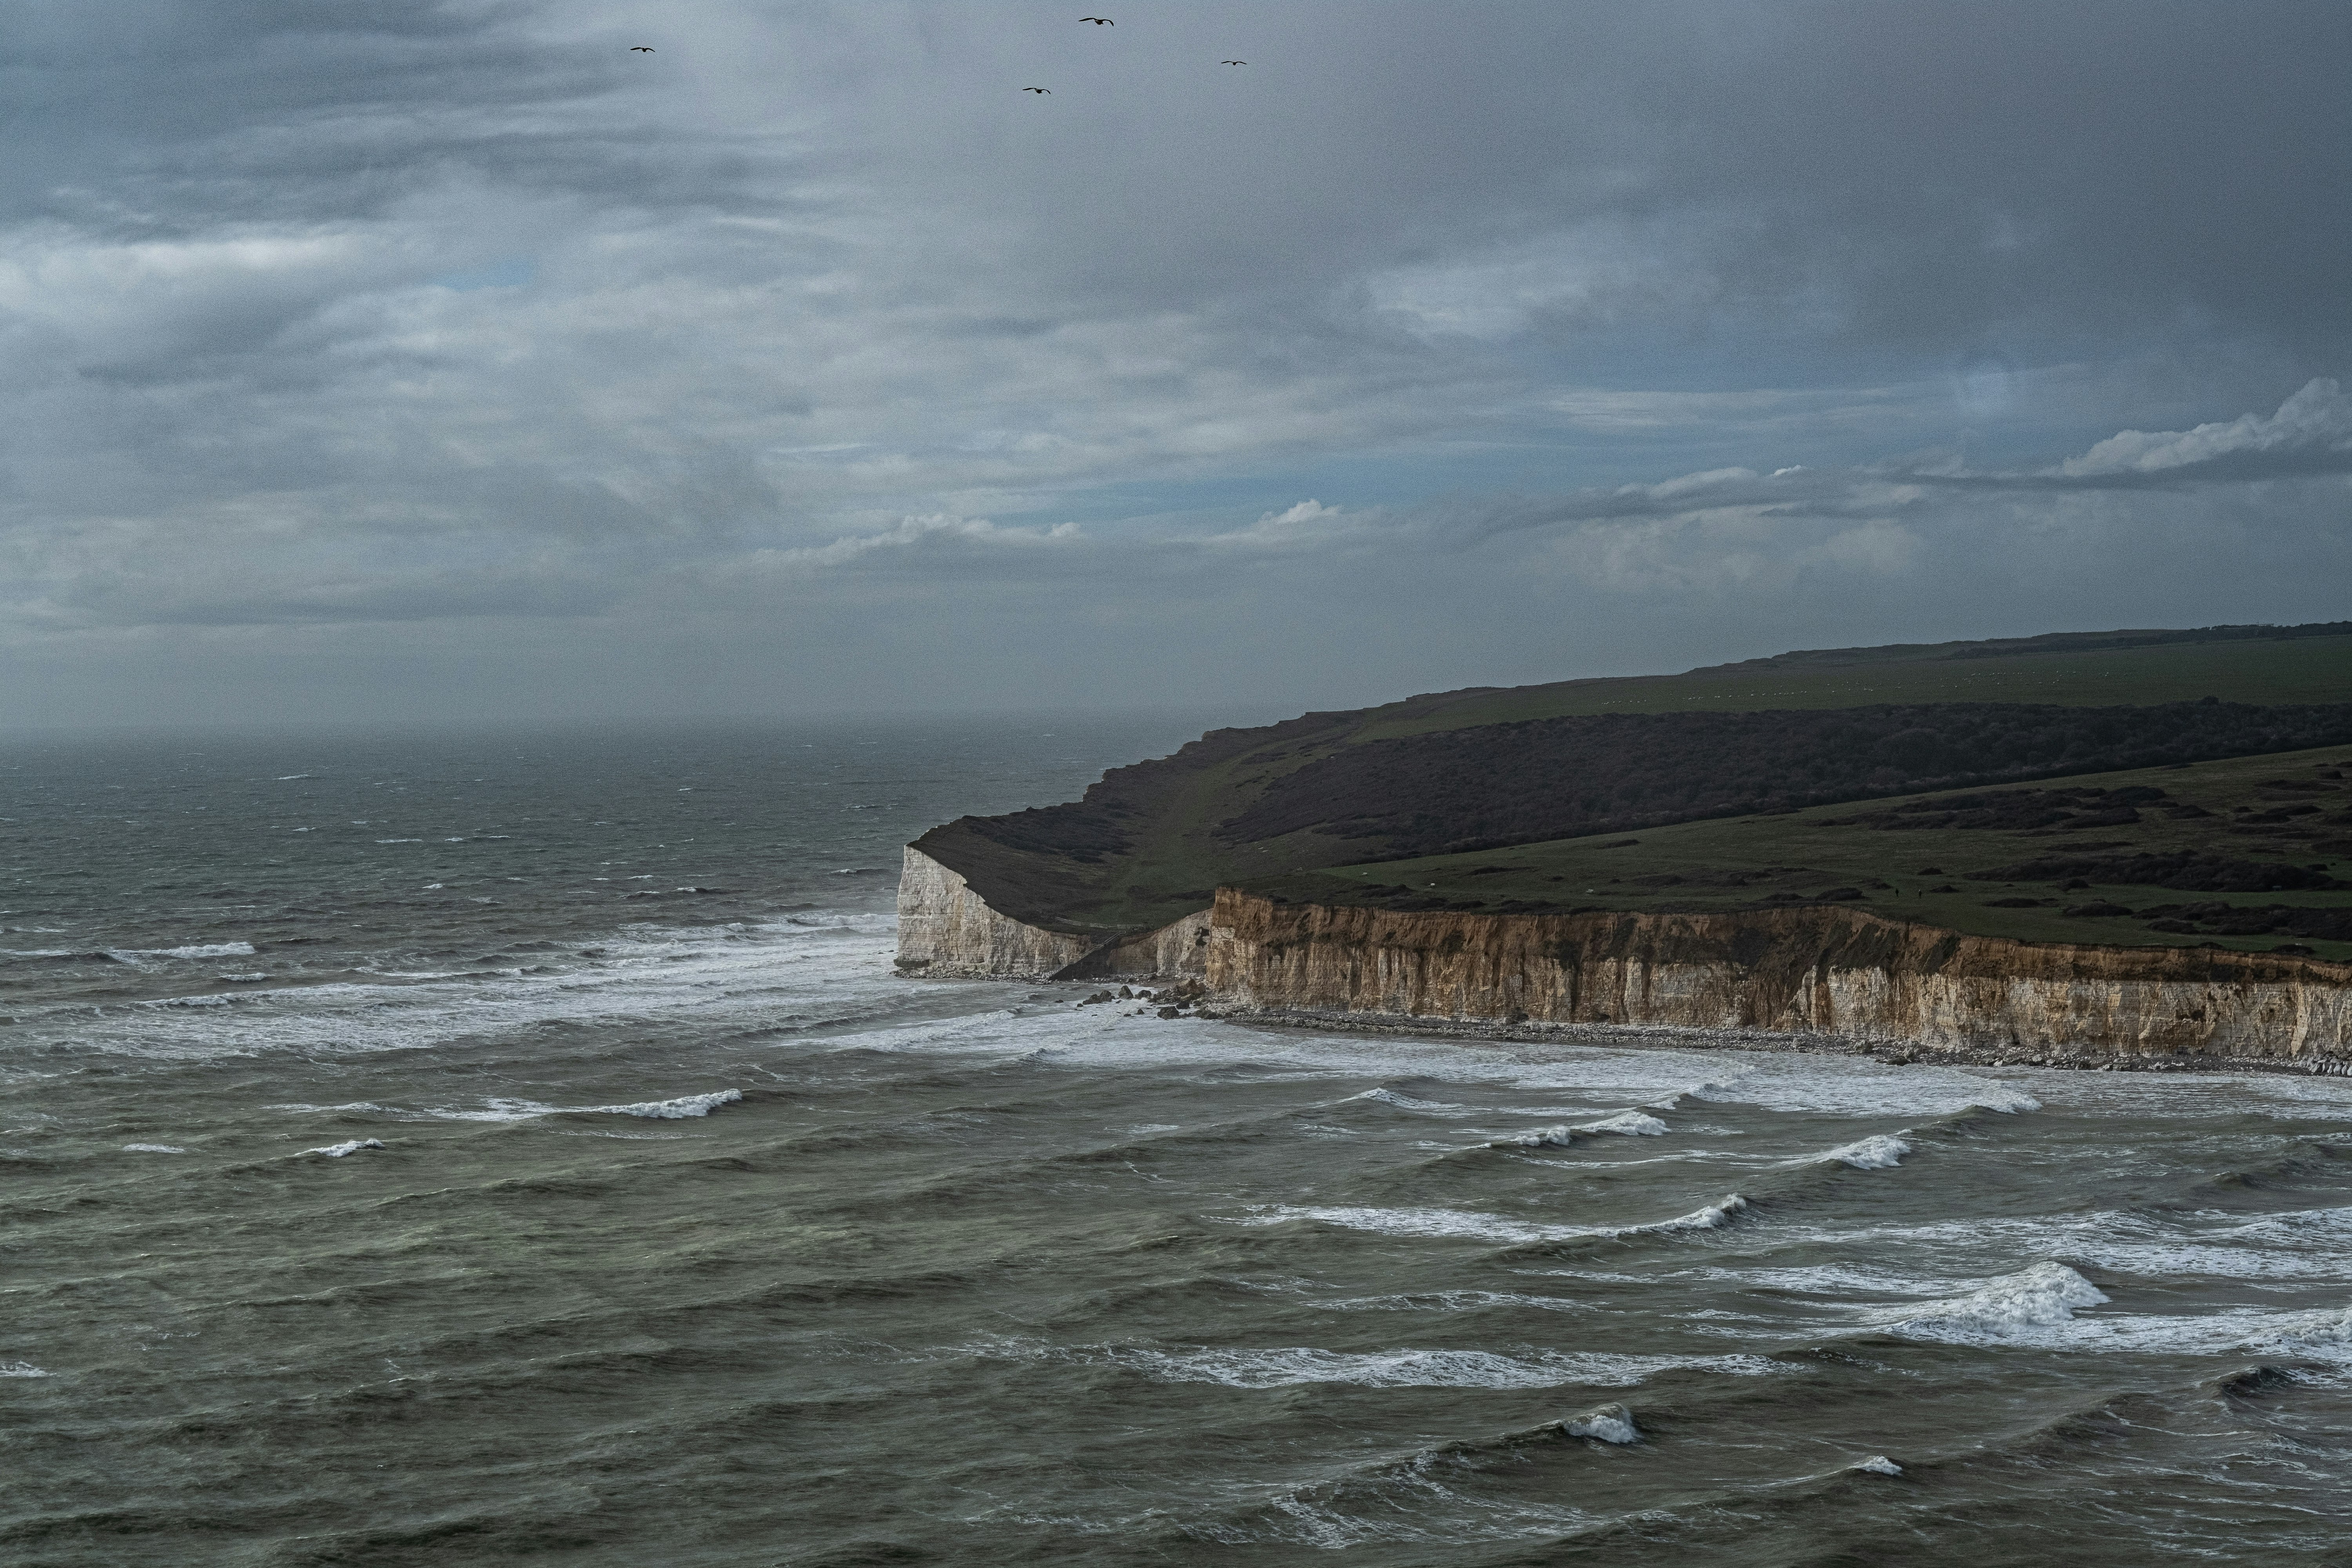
{"x": 1825, "y": 970}
{"x": 948, "y": 931}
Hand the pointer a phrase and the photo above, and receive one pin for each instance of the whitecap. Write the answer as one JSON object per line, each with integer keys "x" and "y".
{"x": 337, "y": 1150}
{"x": 669, "y": 1109}
{"x": 1608, "y": 1424}
{"x": 194, "y": 950}
{"x": 2035, "y": 1298}
{"x": 1882, "y": 1153}
{"x": 153, "y": 1149}
{"x": 22, "y": 1369}
{"x": 1537, "y": 1138}
{"x": 1292, "y": 1365}
{"x": 1406, "y": 1101}
{"x": 1448, "y": 1223}
{"x": 1633, "y": 1123}
{"x": 1879, "y": 1465}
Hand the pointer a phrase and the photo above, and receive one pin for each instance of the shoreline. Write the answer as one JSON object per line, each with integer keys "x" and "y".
{"x": 1661, "y": 1036}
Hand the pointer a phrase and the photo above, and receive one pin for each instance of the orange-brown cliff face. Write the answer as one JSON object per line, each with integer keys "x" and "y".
{"x": 1820, "y": 970}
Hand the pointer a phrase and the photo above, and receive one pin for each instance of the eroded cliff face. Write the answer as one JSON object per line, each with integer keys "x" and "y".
{"x": 1825, "y": 970}
{"x": 947, "y": 931}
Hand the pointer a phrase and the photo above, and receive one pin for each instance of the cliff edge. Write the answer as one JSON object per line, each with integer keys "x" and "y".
{"x": 1825, "y": 970}
{"x": 946, "y": 931}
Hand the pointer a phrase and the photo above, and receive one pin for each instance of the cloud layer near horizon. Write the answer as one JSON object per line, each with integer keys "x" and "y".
{"x": 450, "y": 359}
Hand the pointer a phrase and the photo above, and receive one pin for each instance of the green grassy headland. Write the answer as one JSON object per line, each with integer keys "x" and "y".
{"x": 1145, "y": 847}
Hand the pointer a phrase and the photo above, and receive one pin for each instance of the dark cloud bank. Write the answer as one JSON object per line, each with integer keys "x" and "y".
{"x": 419, "y": 360}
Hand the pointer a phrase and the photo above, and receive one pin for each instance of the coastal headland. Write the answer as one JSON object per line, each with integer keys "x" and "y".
{"x": 2093, "y": 848}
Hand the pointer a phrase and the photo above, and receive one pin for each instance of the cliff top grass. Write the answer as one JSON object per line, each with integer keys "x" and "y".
{"x": 2249, "y": 847}
{"x": 1151, "y": 842}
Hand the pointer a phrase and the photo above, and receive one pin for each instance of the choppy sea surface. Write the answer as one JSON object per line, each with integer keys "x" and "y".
{"x": 444, "y": 1149}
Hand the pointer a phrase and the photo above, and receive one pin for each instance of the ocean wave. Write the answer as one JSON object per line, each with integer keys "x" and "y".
{"x": 1630, "y": 1123}
{"x": 1608, "y": 1424}
{"x": 22, "y": 1369}
{"x": 1407, "y": 1102}
{"x": 681, "y": 1108}
{"x": 1627, "y": 1124}
{"x": 1883, "y": 1151}
{"x": 337, "y": 1150}
{"x": 1294, "y": 1365}
{"x": 1536, "y": 1138}
{"x": 2037, "y": 1296}
{"x": 1451, "y": 1223}
{"x": 153, "y": 1149}
{"x": 194, "y": 949}
{"x": 1449, "y": 1302}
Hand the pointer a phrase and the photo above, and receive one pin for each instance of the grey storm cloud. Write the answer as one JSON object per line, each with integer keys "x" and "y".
{"x": 806, "y": 362}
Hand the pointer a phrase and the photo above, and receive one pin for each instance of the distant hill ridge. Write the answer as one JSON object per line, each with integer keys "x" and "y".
{"x": 1499, "y": 766}
{"x": 2047, "y": 642}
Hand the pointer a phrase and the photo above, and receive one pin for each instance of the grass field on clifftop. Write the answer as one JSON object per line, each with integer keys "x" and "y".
{"x": 2280, "y": 819}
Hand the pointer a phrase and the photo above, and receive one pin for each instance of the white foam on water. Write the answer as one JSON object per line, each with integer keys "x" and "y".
{"x": 1878, "y": 1464}
{"x": 22, "y": 1369}
{"x": 194, "y": 949}
{"x": 337, "y": 1150}
{"x": 1883, "y": 1151}
{"x": 1608, "y": 1424}
{"x": 1630, "y": 1123}
{"x": 1537, "y": 1138}
{"x": 1290, "y": 1366}
{"x": 2313, "y": 1244}
{"x": 681, "y": 1108}
{"x": 1448, "y": 1301}
{"x": 2035, "y": 1298}
{"x": 153, "y": 1149}
{"x": 1864, "y": 1088}
{"x": 1451, "y": 1222}
{"x": 1407, "y": 1102}
{"x": 729, "y": 977}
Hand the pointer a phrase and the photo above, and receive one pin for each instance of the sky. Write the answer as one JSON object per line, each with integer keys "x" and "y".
{"x": 415, "y": 361}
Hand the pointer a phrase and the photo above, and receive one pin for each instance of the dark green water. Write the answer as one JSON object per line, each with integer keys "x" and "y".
{"x": 669, "y": 1228}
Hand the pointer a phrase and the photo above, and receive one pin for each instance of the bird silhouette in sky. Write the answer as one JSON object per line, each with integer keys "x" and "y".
{"x": 1036, "y": 89}
{"x": 1233, "y": 62}
{"x": 1099, "y": 21}
{"x": 641, "y": 48}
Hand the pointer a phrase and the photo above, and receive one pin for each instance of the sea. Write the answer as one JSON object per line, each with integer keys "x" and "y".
{"x": 462, "y": 1148}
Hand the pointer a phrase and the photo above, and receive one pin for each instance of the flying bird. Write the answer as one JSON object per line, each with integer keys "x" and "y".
{"x": 1036, "y": 89}
{"x": 1099, "y": 21}
{"x": 641, "y": 48}
{"x": 1233, "y": 62}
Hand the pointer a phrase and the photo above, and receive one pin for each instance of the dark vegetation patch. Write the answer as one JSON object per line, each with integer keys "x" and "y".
{"x": 2189, "y": 871}
{"x": 2018, "y": 810}
{"x": 1559, "y": 778}
{"x": 2237, "y": 920}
